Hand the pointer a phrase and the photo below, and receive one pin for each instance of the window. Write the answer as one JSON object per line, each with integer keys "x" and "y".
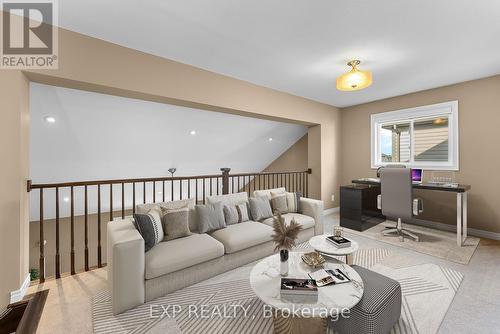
{"x": 423, "y": 137}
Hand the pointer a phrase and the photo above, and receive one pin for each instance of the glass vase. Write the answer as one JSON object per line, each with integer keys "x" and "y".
{"x": 284, "y": 254}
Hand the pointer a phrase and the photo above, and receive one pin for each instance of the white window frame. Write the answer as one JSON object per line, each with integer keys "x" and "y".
{"x": 446, "y": 109}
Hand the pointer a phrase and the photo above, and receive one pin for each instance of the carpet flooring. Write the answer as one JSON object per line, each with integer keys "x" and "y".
{"x": 232, "y": 307}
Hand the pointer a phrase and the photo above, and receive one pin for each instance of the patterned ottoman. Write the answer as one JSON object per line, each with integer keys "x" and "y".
{"x": 379, "y": 309}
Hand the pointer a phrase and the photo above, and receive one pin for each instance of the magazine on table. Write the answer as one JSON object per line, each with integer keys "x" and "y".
{"x": 298, "y": 286}
{"x": 329, "y": 276}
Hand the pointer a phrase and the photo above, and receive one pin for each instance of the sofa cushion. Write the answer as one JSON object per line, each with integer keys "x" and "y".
{"x": 243, "y": 235}
{"x": 303, "y": 220}
{"x": 260, "y": 208}
{"x": 231, "y": 215}
{"x": 210, "y": 217}
{"x": 150, "y": 227}
{"x": 192, "y": 220}
{"x": 279, "y": 203}
{"x": 267, "y": 192}
{"x": 229, "y": 199}
{"x": 169, "y": 256}
{"x": 293, "y": 202}
{"x": 175, "y": 222}
{"x": 234, "y": 214}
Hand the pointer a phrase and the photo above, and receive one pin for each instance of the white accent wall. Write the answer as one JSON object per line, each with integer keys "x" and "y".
{"x": 97, "y": 136}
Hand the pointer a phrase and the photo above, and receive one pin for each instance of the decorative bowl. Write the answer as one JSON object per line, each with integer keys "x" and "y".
{"x": 313, "y": 259}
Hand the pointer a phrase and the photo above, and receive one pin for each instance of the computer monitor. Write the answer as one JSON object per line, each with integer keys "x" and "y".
{"x": 417, "y": 175}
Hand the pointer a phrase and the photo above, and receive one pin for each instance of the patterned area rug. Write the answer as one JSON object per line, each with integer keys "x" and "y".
{"x": 227, "y": 304}
{"x": 441, "y": 244}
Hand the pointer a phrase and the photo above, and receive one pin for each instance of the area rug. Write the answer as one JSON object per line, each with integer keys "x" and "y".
{"x": 437, "y": 243}
{"x": 233, "y": 307}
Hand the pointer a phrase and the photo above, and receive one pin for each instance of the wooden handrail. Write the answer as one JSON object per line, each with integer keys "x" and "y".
{"x": 31, "y": 186}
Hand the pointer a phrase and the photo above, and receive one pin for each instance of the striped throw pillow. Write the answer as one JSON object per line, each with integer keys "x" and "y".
{"x": 293, "y": 202}
{"x": 150, "y": 227}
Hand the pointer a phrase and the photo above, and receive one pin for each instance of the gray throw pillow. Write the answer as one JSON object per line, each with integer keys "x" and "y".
{"x": 260, "y": 208}
{"x": 150, "y": 228}
{"x": 175, "y": 223}
{"x": 210, "y": 217}
{"x": 231, "y": 215}
{"x": 278, "y": 203}
{"x": 235, "y": 214}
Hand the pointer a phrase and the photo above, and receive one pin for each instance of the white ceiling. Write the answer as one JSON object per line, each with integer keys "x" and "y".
{"x": 300, "y": 47}
{"x": 99, "y": 136}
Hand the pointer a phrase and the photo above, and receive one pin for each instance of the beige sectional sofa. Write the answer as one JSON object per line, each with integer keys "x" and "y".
{"x": 135, "y": 277}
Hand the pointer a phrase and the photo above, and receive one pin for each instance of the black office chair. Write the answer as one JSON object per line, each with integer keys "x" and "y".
{"x": 396, "y": 199}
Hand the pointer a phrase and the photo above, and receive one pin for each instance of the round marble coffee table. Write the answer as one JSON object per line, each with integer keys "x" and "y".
{"x": 320, "y": 244}
{"x": 332, "y": 300}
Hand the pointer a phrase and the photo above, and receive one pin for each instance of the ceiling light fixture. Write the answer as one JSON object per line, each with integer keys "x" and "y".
{"x": 49, "y": 119}
{"x": 270, "y": 139}
{"x": 192, "y": 133}
{"x": 354, "y": 79}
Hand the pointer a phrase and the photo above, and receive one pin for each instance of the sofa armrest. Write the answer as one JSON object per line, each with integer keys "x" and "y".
{"x": 125, "y": 265}
{"x": 313, "y": 208}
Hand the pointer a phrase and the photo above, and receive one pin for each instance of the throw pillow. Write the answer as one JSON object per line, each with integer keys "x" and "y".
{"x": 175, "y": 222}
{"x": 231, "y": 215}
{"x": 210, "y": 217}
{"x": 150, "y": 228}
{"x": 278, "y": 203}
{"x": 293, "y": 202}
{"x": 243, "y": 212}
{"x": 235, "y": 214}
{"x": 260, "y": 208}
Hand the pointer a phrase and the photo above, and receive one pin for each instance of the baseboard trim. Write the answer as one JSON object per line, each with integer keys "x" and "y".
{"x": 18, "y": 295}
{"x": 330, "y": 211}
{"x": 453, "y": 228}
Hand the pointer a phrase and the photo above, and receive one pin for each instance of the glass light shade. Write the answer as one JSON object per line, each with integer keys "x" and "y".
{"x": 354, "y": 80}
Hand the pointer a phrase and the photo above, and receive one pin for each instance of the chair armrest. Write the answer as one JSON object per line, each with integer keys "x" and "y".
{"x": 418, "y": 206}
{"x": 313, "y": 208}
{"x": 379, "y": 202}
{"x": 126, "y": 265}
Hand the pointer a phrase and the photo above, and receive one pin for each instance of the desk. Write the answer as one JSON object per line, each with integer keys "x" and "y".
{"x": 461, "y": 190}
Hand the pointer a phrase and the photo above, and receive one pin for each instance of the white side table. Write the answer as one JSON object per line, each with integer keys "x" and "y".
{"x": 320, "y": 244}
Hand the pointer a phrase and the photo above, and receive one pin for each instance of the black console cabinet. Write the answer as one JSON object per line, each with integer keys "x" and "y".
{"x": 358, "y": 207}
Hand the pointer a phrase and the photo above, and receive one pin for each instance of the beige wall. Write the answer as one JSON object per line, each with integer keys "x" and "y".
{"x": 295, "y": 158}
{"x": 14, "y": 132}
{"x": 479, "y": 118}
{"x": 92, "y": 64}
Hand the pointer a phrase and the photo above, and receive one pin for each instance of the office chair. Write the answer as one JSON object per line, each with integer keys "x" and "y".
{"x": 396, "y": 199}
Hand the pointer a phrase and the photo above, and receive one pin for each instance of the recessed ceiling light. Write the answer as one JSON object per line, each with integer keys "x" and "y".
{"x": 192, "y": 133}
{"x": 270, "y": 139}
{"x": 49, "y": 119}
{"x": 66, "y": 199}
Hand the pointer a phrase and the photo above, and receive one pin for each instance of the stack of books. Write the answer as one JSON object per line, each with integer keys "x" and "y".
{"x": 339, "y": 242}
{"x": 298, "y": 287}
